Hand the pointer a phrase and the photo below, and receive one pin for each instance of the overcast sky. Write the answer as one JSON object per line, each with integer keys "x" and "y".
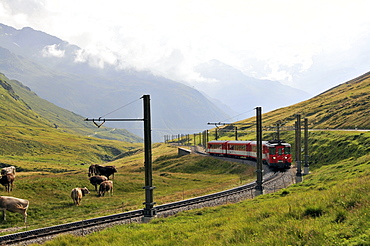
{"x": 284, "y": 40}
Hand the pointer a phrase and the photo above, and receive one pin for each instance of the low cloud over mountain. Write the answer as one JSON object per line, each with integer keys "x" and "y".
{"x": 55, "y": 70}
{"x": 243, "y": 93}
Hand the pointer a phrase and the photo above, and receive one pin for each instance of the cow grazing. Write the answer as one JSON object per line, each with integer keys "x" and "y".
{"x": 7, "y": 181}
{"x": 15, "y": 205}
{"x": 96, "y": 180}
{"x": 6, "y": 170}
{"x": 92, "y": 170}
{"x": 106, "y": 170}
{"x": 106, "y": 186}
{"x": 77, "y": 194}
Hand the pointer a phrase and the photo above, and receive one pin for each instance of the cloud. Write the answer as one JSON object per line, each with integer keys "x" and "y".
{"x": 96, "y": 56}
{"x": 52, "y": 51}
{"x": 279, "y": 40}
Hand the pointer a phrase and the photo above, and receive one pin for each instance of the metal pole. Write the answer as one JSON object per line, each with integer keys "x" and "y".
{"x": 306, "y": 164}
{"x": 278, "y": 130}
{"x": 204, "y": 138}
{"x": 207, "y": 139}
{"x": 149, "y": 211}
{"x": 298, "y": 149}
{"x": 259, "y": 187}
{"x": 236, "y": 133}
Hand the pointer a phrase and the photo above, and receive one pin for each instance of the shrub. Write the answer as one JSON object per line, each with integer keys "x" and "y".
{"x": 340, "y": 217}
{"x": 313, "y": 212}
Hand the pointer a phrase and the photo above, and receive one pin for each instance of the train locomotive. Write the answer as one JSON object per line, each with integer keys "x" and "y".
{"x": 275, "y": 153}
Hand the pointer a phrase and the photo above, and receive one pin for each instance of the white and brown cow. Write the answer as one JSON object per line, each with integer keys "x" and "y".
{"x": 96, "y": 180}
{"x": 77, "y": 194}
{"x": 15, "y": 205}
{"x": 106, "y": 186}
{"x": 7, "y": 180}
{"x": 6, "y": 170}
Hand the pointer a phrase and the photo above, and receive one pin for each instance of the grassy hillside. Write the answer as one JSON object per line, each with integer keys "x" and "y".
{"x": 65, "y": 120}
{"x": 345, "y": 106}
{"x": 331, "y": 207}
{"x": 28, "y": 136}
{"x": 53, "y": 181}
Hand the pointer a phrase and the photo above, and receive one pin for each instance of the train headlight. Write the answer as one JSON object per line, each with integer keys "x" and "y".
{"x": 274, "y": 157}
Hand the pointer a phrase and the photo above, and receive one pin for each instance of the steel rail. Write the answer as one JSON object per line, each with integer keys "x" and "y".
{"x": 54, "y": 230}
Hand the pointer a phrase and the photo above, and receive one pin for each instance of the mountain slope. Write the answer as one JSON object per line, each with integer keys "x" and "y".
{"x": 242, "y": 92}
{"x": 24, "y": 132}
{"x": 345, "y": 106}
{"x": 55, "y": 70}
{"x": 65, "y": 120}
{"x": 14, "y": 110}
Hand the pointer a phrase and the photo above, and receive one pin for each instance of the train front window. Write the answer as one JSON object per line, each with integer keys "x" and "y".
{"x": 287, "y": 150}
{"x": 280, "y": 151}
{"x": 272, "y": 151}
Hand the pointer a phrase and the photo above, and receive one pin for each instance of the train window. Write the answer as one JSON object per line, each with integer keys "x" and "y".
{"x": 287, "y": 150}
{"x": 237, "y": 147}
{"x": 280, "y": 151}
{"x": 272, "y": 151}
{"x": 215, "y": 146}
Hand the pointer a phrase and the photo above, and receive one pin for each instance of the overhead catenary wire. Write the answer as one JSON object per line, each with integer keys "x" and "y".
{"x": 238, "y": 115}
{"x": 120, "y": 107}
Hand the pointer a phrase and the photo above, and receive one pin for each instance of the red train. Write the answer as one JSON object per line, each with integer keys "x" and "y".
{"x": 275, "y": 153}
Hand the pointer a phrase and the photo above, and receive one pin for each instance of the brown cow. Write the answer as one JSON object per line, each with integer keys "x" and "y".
{"x": 77, "y": 194}
{"x": 7, "y": 181}
{"x": 93, "y": 170}
{"x": 15, "y": 205}
{"x": 106, "y": 170}
{"x": 106, "y": 186}
{"x": 96, "y": 180}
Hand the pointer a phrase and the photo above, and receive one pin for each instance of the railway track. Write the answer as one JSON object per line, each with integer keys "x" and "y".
{"x": 272, "y": 182}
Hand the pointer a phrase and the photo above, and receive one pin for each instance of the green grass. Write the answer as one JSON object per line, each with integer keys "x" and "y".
{"x": 330, "y": 207}
{"x": 47, "y": 185}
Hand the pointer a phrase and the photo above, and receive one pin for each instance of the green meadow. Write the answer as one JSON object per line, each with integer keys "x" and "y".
{"x": 47, "y": 182}
{"x": 330, "y": 207}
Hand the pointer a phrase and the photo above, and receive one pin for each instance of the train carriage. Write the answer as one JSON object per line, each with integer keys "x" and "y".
{"x": 238, "y": 149}
{"x": 265, "y": 151}
{"x": 217, "y": 147}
